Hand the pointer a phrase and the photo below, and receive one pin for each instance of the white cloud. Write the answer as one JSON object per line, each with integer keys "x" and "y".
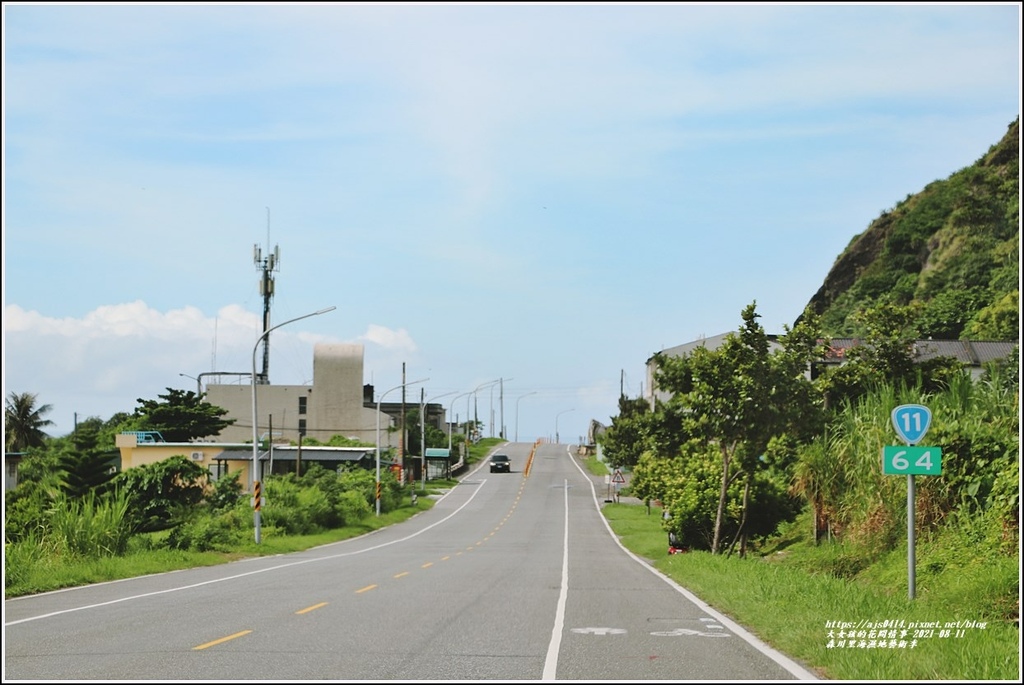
{"x": 392, "y": 340}
{"x": 101, "y": 363}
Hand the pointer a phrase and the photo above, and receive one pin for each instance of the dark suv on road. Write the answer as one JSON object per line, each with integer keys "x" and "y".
{"x": 500, "y": 462}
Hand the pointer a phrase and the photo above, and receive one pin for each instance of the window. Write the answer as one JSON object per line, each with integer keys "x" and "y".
{"x": 302, "y": 426}
{"x": 218, "y": 469}
{"x": 302, "y": 404}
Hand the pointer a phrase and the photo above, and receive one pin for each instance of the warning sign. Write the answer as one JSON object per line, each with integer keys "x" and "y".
{"x": 617, "y": 477}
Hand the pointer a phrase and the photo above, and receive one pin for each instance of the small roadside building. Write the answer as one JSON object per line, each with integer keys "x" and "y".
{"x": 138, "y": 449}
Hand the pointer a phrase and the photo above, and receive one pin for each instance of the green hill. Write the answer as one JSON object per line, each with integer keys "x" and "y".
{"x": 951, "y": 251}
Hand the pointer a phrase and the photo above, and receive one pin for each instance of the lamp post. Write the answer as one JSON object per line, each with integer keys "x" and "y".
{"x": 199, "y": 385}
{"x": 517, "y": 411}
{"x": 556, "y": 422}
{"x": 381, "y": 398}
{"x": 256, "y": 496}
{"x": 478, "y": 388}
{"x": 466, "y": 395}
{"x": 501, "y": 428}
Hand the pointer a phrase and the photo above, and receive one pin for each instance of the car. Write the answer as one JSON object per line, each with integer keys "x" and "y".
{"x": 501, "y": 462}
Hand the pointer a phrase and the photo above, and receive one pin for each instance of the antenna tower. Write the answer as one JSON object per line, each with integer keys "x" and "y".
{"x": 267, "y": 266}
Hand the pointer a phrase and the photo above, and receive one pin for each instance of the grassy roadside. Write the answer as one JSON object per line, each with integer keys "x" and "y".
{"x": 970, "y": 632}
{"x": 30, "y": 570}
{"x": 788, "y": 597}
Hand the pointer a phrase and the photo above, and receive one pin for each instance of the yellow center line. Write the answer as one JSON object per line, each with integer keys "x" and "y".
{"x": 308, "y": 609}
{"x": 368, "y": 587}
{"x": 446, "y": 558}
{"x": 427, "y": 565}
{"x": 399, "y": 575}
{"x": 223, "y": 639}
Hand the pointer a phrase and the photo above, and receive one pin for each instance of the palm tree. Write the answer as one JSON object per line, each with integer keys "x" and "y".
{"x": 24, "y": 422}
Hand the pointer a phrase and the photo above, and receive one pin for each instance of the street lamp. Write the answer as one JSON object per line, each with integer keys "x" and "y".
{"x": 466, "y": 395}
{"x": 517, "y": 411}
{"x": 556, "y": 422}
{"x": 256, "y": 497}
{"x": 501, "y": 428}
{"x": 378, "y": 433}
{"x": 199, "y": 385}
{"x": 478, "y": 388}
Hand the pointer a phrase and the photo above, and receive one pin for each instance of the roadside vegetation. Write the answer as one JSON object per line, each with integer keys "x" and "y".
{"x": 774, "y": 484}
{"x": 73, "y": 519}
{"x": 788, "y": 596}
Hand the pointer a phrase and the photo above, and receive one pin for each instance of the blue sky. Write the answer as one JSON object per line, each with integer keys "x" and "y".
{"x": 543, "y": 193}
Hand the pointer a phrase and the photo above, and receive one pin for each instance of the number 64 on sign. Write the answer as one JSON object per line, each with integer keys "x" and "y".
{"x": 916, "y": 461}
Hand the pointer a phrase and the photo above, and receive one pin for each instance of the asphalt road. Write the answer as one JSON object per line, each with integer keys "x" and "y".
{"x": 509, "y": 577}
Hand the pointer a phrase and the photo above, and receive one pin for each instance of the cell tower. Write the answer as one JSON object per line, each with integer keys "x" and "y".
{"x": 267, "y": 266}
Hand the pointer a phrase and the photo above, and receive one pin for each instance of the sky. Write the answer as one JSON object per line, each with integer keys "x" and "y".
{"x": 537, "y": 197}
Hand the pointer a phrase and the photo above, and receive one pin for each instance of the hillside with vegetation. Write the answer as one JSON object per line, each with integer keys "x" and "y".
{"x": 950, "y": 252}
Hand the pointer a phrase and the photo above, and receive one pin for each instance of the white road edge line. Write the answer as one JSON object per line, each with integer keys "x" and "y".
{"x": 778, "y": 657}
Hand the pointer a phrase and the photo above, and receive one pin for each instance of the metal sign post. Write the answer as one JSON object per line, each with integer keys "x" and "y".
{"x": 911, "y": 422}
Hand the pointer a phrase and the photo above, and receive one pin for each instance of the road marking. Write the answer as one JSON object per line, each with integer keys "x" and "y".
{"x": 368, "y": 587}
{"x": 600, "y": 631}
{"x": 679, "y": 632}
{"x": 223, "y": 639}
{"x": 308, "y": 609}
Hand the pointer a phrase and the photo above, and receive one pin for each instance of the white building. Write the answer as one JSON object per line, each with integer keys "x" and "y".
{"x": 335, "y": 404}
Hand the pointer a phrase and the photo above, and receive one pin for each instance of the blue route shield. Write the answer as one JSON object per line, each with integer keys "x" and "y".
{"x": 911, "y": 422}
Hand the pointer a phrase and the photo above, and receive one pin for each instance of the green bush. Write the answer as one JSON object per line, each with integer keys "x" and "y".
{"x": 352, "y": 507}
{"x": 208, "y": 532}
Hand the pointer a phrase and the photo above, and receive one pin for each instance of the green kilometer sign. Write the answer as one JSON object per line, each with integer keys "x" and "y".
{"x": 911, "y": 461}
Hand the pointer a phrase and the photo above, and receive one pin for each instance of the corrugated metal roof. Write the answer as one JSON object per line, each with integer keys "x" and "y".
{"x": 317, "y": 453}
{"x": 970, "y": 352}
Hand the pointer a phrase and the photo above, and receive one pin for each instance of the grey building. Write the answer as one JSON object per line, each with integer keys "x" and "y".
{"x": 974, "y": 355}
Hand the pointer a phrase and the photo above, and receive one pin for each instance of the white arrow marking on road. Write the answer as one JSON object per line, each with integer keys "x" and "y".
{"x": 600, "y": 631}
{"x": 679, "y": 632}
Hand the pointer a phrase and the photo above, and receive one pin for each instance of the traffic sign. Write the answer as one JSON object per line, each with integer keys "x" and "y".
{"x": 911, "y": 422}
{"x": 617, "y": 477}
{"x": 911, "y": 461}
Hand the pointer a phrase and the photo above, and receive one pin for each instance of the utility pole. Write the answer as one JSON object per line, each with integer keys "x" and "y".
{"x": 401, "y": 437}
{"x": 267, "y": 266}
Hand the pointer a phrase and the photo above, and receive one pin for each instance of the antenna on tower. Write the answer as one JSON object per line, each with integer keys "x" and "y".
{"x": 267, "y": 265}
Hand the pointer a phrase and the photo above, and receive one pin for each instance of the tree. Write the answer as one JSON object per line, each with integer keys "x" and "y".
{"x": 998, "y": 321}
{"x": 161, "y": 491}
{"x": 24, "y": 422}
{"x": 182, "y": 416}
{"x": 85, "y": 465}
{"x": 625, "y": 440}
{"x": 740, "y": 396}
{"x": 885, "y": 355}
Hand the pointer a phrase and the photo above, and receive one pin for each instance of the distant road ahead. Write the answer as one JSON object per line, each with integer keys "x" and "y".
{"x": 509, "y": 577}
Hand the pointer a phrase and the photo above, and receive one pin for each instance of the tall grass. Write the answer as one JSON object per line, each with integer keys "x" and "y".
{"x": 91, "y": 525}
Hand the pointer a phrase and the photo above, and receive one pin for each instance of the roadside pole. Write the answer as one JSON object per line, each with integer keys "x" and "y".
{"x": 911, "y": 422}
